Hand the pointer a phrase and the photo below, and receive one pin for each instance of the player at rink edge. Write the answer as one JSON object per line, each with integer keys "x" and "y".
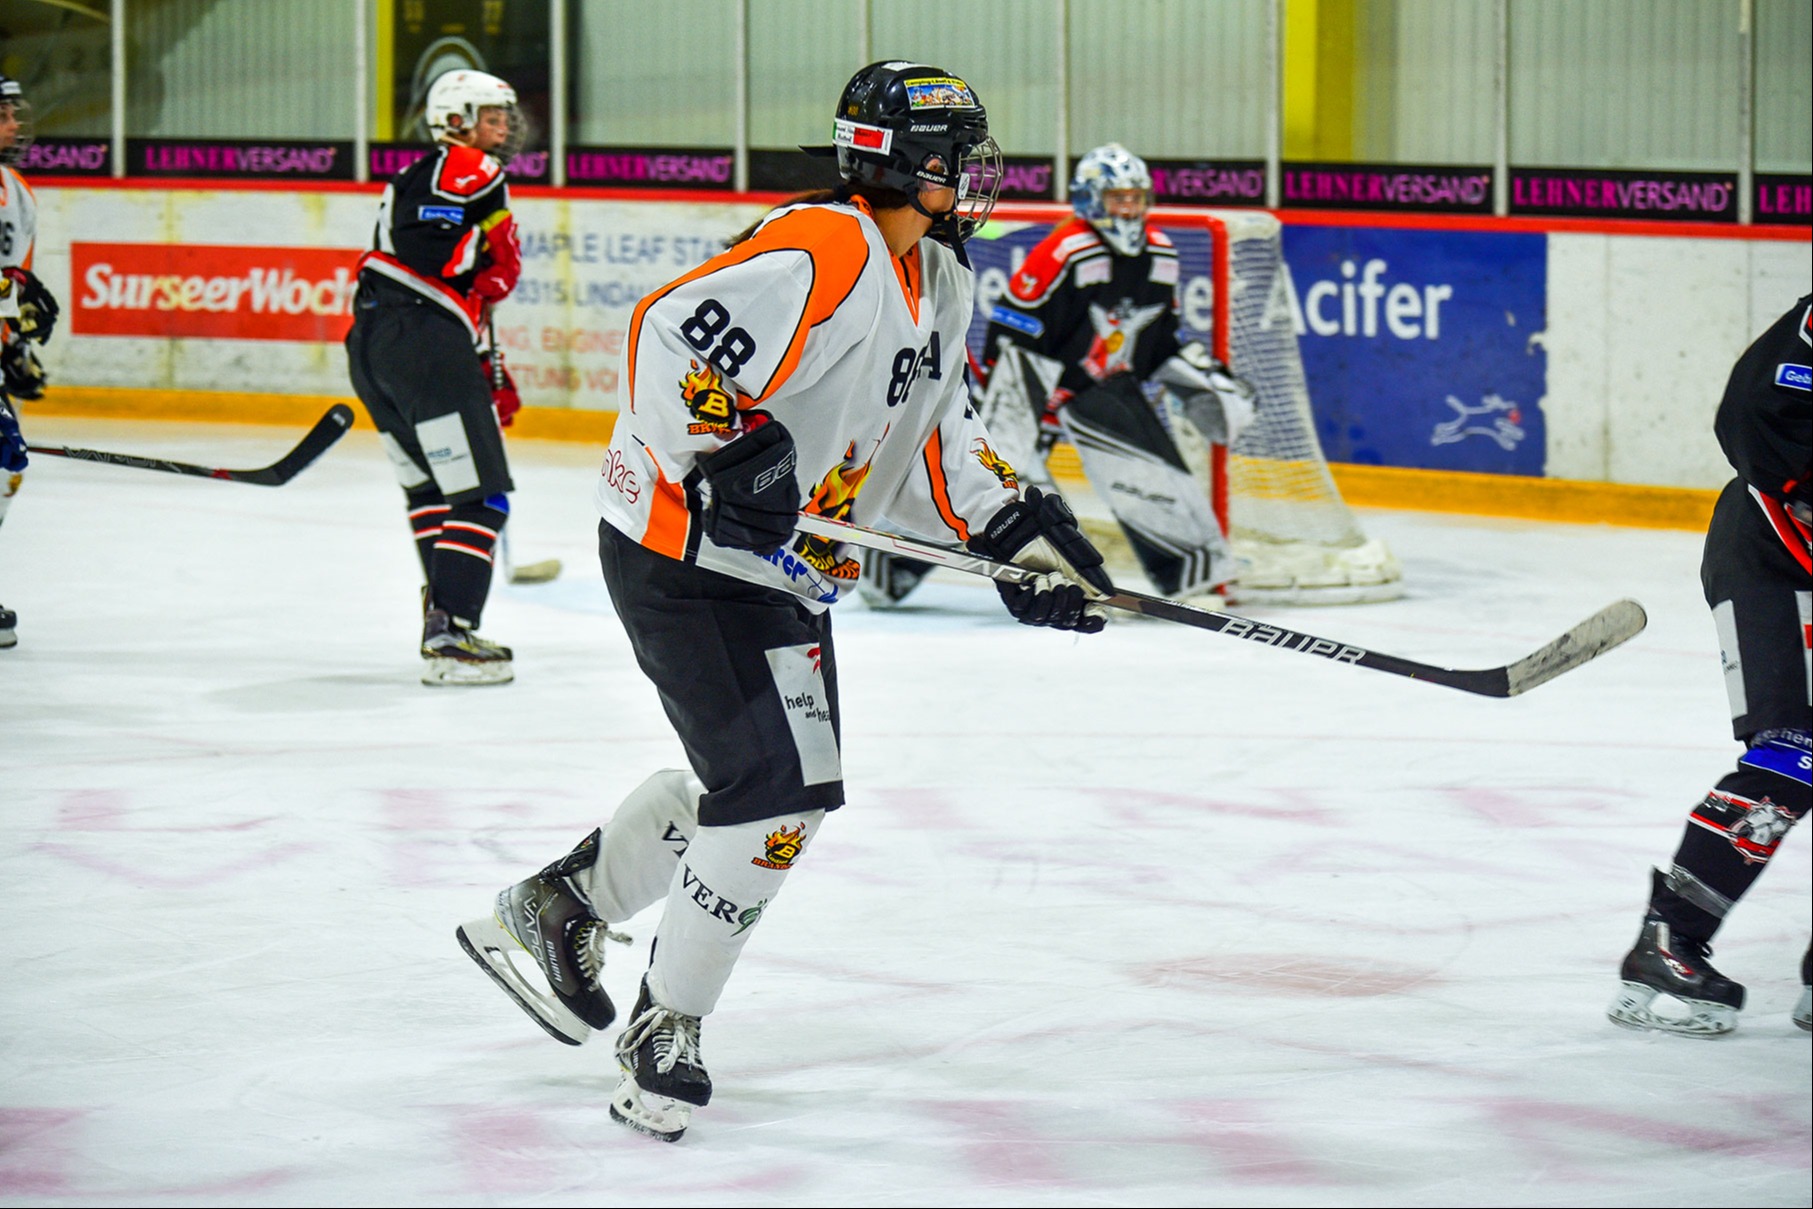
{"x": 28, "y": 310}
{"x": 816, "y": 365}
{"x": 1757, "y": 573}
{"x": 1084, "y": 345}
{"x": 444, "y": 253}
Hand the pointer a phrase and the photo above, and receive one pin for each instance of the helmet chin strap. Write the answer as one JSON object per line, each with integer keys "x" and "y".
{"x": 944, "y": 227}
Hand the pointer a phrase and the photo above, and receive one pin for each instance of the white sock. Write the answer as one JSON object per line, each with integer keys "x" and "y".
{"x": 640, "y": 844}
{"x": 727, "y": 878}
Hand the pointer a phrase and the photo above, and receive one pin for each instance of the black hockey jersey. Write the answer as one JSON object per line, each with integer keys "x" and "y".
{"x": 1765, "y": 421}
{"x": 1098, "y": 314}
{"x": 445, "y": 231}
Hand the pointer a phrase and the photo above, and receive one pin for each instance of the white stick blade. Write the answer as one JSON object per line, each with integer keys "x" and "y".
{"x": 536, "y": 573}
{"x": 1611, "y": 626}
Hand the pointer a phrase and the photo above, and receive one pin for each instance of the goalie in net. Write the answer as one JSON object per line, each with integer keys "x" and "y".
{"x": 1207, "y": 479}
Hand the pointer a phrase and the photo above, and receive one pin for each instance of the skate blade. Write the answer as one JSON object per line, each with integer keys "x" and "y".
{"x": 645, "y": 1112}
{"x": 536, "y": 573}
{"x": 1635, "y": 1008}
{"x": 442, "y": 673}
{"x": 1803, "y": 1011}
{"x": 488, "y": 943}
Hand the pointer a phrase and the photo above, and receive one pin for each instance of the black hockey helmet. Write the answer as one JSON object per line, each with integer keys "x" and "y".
{"x": 908, "y": 126}
{"x": 12, "y": 99}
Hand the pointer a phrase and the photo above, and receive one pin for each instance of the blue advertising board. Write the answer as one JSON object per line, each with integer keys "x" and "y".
{"x": 1423, "y": 348}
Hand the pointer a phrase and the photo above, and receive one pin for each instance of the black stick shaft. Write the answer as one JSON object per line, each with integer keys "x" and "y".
{"x": 328, "y": 429}
{"x": 1612, "y": 625}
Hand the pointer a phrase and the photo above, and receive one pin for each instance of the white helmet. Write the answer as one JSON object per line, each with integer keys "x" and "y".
{"x": 12, "y": 97}
{"x": 1108, "y": 168}
{"x": 455, "y": 98}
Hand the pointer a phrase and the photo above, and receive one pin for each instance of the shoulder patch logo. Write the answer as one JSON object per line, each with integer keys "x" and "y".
{"x": 702, "y": 390}
{"x": 1025, "y": 324}
{"x": 1794, "y": 377}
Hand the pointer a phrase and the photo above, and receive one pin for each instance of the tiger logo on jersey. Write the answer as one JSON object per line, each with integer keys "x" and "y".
{"x": 995, "y": 464}
{"x": 702, "y": 390}
{"x": 833, "y": 497}
{"x": 783, "y": 848}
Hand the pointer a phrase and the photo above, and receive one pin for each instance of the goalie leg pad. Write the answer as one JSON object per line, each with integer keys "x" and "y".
{"x": 887, "y": 579}
{"x": 1011, "y": 406}
{"x": 1135, "y": 466}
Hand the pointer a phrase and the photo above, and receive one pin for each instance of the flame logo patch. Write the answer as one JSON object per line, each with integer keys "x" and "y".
{"x": 702, "y": 390}
{"x": 784, "y": 847}
{"x": 995, "y": 464}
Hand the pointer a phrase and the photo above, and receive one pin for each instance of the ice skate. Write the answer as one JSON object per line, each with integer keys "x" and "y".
{"x": 1803, "y": 1007}
{"x": 664, "y": 1075}
{"x": 1670, "y": 985}
{"x": 544, "y": 922}
{"x": 456, "y": 655}
{"x": 8, "y": 620}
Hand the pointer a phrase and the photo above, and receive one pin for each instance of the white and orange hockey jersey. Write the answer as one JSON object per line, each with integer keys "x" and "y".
{"x": 18, "y": 233}
{"x": 861, "y": 356}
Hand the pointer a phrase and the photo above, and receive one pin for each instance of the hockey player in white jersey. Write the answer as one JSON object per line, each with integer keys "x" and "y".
{"x": 815, "y": 365}
{"x": 28, "y": 311}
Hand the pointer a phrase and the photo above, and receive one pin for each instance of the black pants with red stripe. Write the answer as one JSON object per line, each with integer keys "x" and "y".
{"x": 414, "y": 368}
{"x": 1757, "y": 579}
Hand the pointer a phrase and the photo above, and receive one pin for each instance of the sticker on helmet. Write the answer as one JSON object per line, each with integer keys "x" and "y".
{"x": 863, "y": 138}
{"x": 939, "y": 92}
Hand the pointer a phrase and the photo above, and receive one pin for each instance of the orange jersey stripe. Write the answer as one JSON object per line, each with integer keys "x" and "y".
{"x": 668, "y": 519}
{"x": 839, "y": 254}
{"x": 941, "y": 492}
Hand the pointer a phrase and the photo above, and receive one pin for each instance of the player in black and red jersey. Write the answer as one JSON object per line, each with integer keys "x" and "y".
{"x": 1758, "y": 578}
{"x": 444, "y": 253}
{"x": 1085, "y": 344}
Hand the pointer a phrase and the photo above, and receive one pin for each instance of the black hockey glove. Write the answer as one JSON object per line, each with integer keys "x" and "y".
{"x": 21, "y": 373}
{"x": 38, "y": 309}
{"x": 750, "y": 499}
{"x": 1041, "y": 533}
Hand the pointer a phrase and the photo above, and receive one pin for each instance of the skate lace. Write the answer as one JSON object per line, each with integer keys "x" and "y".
{"x": 675, "y": 1036}
{"x": 588, "y": 948}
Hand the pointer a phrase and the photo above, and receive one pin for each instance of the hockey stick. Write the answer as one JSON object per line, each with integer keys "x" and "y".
{"x": 545, "y": 571}
{"x": 548, "y": 568}
{"x": 1616, "y": 623}
{"x": 328, "y": 429}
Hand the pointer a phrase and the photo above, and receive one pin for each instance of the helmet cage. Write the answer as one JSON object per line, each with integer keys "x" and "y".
{"x": 12, "y": 97}
{"x": 1108, "y": 169}
{"x": 454, "y": 103}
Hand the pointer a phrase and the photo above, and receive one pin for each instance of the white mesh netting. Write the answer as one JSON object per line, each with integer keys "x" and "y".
{"x": 1286, "y": 519}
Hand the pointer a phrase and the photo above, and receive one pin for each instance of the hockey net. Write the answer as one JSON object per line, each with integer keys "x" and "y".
{"x": 1296, "y": 538}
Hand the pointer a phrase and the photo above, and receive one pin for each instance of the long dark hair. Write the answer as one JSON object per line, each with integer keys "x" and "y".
{"x": 878, "y": 197}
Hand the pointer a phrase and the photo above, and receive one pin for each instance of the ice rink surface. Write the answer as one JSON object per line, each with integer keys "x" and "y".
{"x": 1156, "y": 917}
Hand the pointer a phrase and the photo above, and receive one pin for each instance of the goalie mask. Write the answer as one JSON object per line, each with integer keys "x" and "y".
{"x": 1112, "y": 191}
{"x": 455, "y": 100}
{"x": 15, "y": 107}
{"x": 907, "y": 126}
